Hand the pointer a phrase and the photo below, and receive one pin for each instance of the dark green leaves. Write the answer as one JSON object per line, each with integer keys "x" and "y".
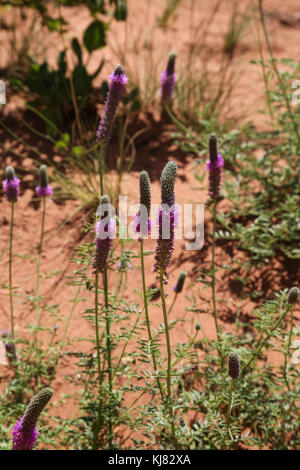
{"x": 94, "y": 36}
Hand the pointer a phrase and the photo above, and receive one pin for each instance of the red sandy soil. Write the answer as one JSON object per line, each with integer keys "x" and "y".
{"x": 153, "y": 151}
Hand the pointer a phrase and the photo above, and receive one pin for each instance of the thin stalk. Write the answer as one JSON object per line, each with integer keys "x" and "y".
{"x": 213, "y": 283}
{"x": 147, "y": 317}
{"x": 287, "y": 353}
{"x": 97, "y": 424}
{"x": 108, "y": 353}
{"x": 40, "y": 249}
{"x": 230, "y": 401}
{"x": 162, "y": 294}
{"x": 10, "y": 272}
{"x": 101, "y": 166}
{"x": 172, "y": 304}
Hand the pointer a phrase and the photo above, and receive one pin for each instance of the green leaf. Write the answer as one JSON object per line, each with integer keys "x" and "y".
{"x": 94, "y": 36}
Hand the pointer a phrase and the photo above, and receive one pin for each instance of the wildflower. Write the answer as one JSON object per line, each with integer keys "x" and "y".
{"x": 118, "y": 81}
{"x": 180, "y": 282}
{"x": 167, "y": 219}
{"x": 11, "y": 184}
{"x": 233, "y": 365}
{"x": 214, "y": 165}
{"x": 105, "y": 229}
{"x": 25, "y": 431}
{"x": 43, "y": 189}
{"x": 142, "y": 222}
{"x": 168, "y": 80}
{"x": 293, "y": 295}
{"x": 10, "y": 347}
{"x": 197, "y": 326}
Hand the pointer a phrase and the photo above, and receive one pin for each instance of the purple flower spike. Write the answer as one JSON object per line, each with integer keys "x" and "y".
{"x": 118, "y": 81}
{"x": 167, "y": 219}
{"x": 21, "y": 440}
{"x": 43, "y": 189}
{"x": 11, "y": 184}
{"x": 214, "y": 165}
{"x": 105, "y": 229}
{"x": 168, "y": 80}
{"x": 25, "y": 431}
{"x": 10, "y": 347}
{"x": 43, "y": 192}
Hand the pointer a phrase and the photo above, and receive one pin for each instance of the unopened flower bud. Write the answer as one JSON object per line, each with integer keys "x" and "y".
{"x": 233, "y": 365}
{"x": 293, "y": 295}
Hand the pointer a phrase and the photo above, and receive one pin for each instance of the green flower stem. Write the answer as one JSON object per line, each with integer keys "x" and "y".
{"x": 108, "y": 354}
{"x": 169, "y": 397}
{"x": 230, "y": 401}
{"x": 173, "y": 303}
{"x": 261, "y": 342}
{"x": 10, "y": 272}
{"x": 101, "y": 166}
{"x": 287, "y": 353}
{"x": 38, "y": 264}
{"x": 97, "y": 424}
{"x": 147, "y": 317}
{"x": 213, "y": 283}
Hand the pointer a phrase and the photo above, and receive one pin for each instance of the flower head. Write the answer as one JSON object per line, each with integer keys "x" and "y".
{"x": 214, "y": 165}
{"x": 118, "y": 81}
{"x": 43, "y": 189}
{"x": 168, "y": 80}
{"x": 180, "y": 282}
{"x": 233, "y": 365}
{"x": 11, "y": 184}
{"x": 142, "y": 222}
{"x": 293, "y": 295}
{"x": 167, "y": 219}
{"x": 25, "y": 431}
{"x": 105, "y": 230}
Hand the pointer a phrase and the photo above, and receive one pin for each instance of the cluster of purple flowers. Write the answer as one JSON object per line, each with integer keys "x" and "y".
{"x": 11, "y": 184}
{"x": 168, "y": 80}
{"x": 118, "y": 81}
{"x": 167, "y": 219}
{"x": 105, "y": 229}
{"x": 25, "y": 432}
{"x": 43, "y": 189}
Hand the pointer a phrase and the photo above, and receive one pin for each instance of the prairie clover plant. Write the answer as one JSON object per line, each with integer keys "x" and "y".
{"x": 214, "y": 165}
{"x": 167, "y": 218}
{"x": 118, "y": 81}
{"x": 25, "y": 432}
{"x": 142, "y": 225}
{"x": 105, "y": 229}
{"x": 11, "y": 188}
